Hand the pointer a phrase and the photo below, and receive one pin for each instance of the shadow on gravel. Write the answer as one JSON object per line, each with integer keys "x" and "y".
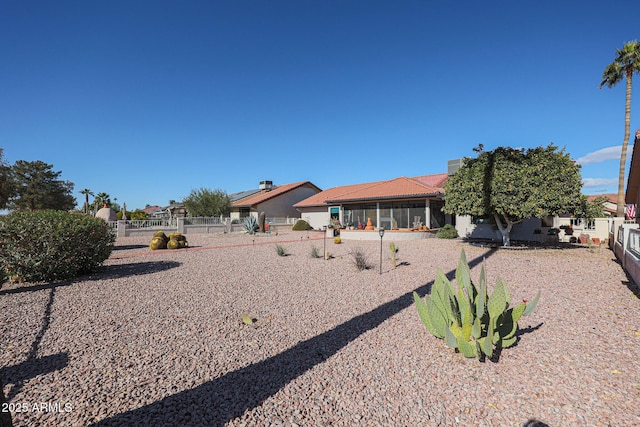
{"x": 32, "y": 366}
{"x": 104, "y": 272}
{"x": 633, "y": 288}
{"x": 219, "y": 401}
{"x": 124, "y": 247}
{"x": 132, "y": 269}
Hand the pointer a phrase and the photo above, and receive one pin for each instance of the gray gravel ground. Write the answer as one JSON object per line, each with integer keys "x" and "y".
{"x": 155, "y": 338}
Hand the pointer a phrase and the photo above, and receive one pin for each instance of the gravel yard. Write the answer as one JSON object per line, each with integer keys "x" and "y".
{"x": 156, "y": 338}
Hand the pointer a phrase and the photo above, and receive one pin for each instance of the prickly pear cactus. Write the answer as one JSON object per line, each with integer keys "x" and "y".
{"x": 467, "y": 318}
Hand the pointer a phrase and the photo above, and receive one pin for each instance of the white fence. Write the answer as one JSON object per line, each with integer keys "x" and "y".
{"x": 627, "y": 250}
{"x": 186, "y": 225}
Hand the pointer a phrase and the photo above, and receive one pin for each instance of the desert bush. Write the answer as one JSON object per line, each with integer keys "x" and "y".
{"x": 52, "y": 245}
{"x": 447, "y": 232}
{"x": 337, "y": 240}
{"x": 360, "y": 259}
{"x": 301, "y": 225}
{"x": 315, "y": 251}
{"x": 281, "y": 250}
{"x": 137, "y": 215}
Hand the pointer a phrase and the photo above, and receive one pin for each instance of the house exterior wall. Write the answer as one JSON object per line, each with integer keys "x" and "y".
{"x": 315, "y": 216}
{"x": 520, "y": 231}
{"x": 282, "y": 205}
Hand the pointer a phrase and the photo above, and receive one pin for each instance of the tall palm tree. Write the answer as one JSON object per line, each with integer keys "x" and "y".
{"x": 86, "y": 193}
{"x": 626, "y": 63}
{"x": 101, "y": 199}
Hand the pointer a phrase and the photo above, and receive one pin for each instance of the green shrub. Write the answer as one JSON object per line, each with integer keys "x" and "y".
{"x": 315, "y": 251}
{"x": 52, "y": 245}
{"x": 359, "y": 259}
{"x": 447, "y": 232}
{"x": 137, "y": 215}
{"x": 281, "y": 250}
{"x": 301, "y": 225}
{"x": 467, "y": 318}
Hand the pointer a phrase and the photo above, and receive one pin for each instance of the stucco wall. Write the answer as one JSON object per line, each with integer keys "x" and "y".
{"x": 316, "y": 217}
{"x": 282, "y": 205}
{"x": 520, "y": 231}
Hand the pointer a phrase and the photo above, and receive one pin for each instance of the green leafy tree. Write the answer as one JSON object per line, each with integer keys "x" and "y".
{"x": 138, "y": 214}
{"x": 206, "y": 202}
{"x": 37, "y": 186}
{"x": 6, "y": 183}
{"x": 591, "y": 209}
{"x": 625, "y": 65}
{"x": 512, "y": 185}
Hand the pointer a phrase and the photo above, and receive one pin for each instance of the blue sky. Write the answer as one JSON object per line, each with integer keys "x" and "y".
{"x": 146, "y": 100}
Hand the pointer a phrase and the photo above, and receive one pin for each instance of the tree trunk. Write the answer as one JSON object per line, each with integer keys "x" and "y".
{"x": 506, "y": 238}
{"x": 5, "y": 417}
{"x": 625, "y": 143}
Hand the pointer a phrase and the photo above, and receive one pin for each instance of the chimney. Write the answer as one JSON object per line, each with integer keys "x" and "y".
{"x": 266, "y": 185}
{"x": 454, "y": 165}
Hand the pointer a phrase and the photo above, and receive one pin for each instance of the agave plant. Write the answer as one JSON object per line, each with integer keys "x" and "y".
{"x": 467, "y": 318}
{"x": 251, "y": 224}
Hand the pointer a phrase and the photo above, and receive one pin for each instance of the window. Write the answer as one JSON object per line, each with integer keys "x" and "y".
{"x": 356, "y": 215}
{"x": 437, "y": 216}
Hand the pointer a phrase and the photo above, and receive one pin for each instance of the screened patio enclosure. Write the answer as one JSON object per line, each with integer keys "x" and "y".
{"x": 396, "y": 214}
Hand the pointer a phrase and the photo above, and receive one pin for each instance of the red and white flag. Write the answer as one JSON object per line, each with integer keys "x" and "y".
{"x": 630, "y": 211}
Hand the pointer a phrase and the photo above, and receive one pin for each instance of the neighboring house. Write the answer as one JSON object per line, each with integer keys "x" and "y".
{"x": 396, "y": 203}
{"x": 276, "y": 201}
{"x": 610, "y": 205}
{"x": 175, "y": 210}
{"x": 171, "y": 211}
{"x": 632, "y": 195}
{"x": 153, "y": 211}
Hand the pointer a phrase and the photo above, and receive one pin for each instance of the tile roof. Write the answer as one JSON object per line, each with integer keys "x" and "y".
{"x": 264, "y": 195}
{"x": 397, "y": 188}
{"x": 152, "y": 209}
{"x": 611, "y": 198}
{"x": 435, "y": 180}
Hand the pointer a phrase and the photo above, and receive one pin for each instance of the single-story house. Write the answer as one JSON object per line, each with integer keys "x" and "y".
{"x": 401, "y": 203}
{"x": 276, "y": 201}
{"x": 610, "y": 205}
{"x": 153, "y": 211}
{"x": 632, "y": 195}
